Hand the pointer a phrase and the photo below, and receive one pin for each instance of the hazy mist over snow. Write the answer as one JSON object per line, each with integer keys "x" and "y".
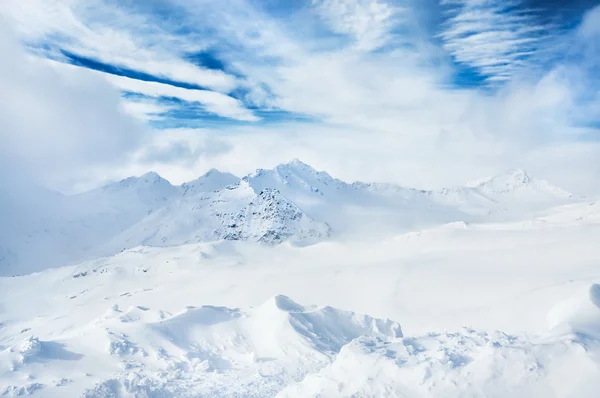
{"x": 313, "y": 198}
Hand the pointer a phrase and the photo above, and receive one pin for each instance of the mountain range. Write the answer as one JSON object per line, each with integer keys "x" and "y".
{"x": 292, "y": 202}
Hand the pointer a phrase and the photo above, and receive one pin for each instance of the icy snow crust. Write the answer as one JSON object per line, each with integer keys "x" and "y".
{"x": 503, "y": 304}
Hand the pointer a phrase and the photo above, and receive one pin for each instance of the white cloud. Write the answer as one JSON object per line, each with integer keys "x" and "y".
{"x": 144, "y": 109}
{"x": 368, "y": 22}
{"x": 217, "y": 103}
{"x": 55, "y": 125}
{"x": 494, "y": 37}
{"x": 213, "y": 102}
{"x": 106, "y": 33}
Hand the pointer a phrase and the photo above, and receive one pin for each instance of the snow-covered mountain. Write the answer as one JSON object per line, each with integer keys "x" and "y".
{"x": 214, "y": 318}
{"x": 213, "y": 180}
{"x": 272, "y": 218}
{"x": 291, "y": 202}
{"x": 46, "y": 229}
{"x": 233, "y": 213}
{"x": 356, "y": 209}
{"x": 509, "y": 195}
{"x": 518, "y": 181}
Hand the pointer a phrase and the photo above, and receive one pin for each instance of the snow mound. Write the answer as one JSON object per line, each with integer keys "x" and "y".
{"x": 326, "y": 329}
{"x": 218, "y": 351}
{"x": 276, "y": 329}
{"x": 463, "y": 364}
{"x": 30, "y": 348}
{"x": 31, "y": 351}
{"x": 17, "y": 391}
{"x": 579, "y": 315}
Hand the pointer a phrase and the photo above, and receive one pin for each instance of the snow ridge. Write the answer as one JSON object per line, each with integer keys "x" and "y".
{"x": 291, "y": 202}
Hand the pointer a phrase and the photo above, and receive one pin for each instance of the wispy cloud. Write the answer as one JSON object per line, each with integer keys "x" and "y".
{"x": 110, "y": 35}
{"x": 368, "y": 22}
{"x": 211, "y": 101}
{"x": 495, "y": 37}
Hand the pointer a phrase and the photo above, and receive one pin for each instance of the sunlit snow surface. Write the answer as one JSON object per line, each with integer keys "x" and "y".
{"x": 243, "y": 319}
{"x": 291, "y": 283}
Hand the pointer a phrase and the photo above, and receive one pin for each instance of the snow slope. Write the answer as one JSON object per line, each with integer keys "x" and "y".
{"x": 577, "y": 213}
{"x": 234, "y": 213}
{"x": 46, "y": 229}
{"x": 211, "y": 319}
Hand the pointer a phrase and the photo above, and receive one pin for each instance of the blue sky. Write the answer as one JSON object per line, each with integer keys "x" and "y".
{"x": 509, "y": 81}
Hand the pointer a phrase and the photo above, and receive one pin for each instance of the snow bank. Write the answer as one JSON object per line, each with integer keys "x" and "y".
{"x": 464, "y": 364}
{"x": 218, "y": 351}
{"x": 282, "y": 348}
{"x": 579, "y": 315}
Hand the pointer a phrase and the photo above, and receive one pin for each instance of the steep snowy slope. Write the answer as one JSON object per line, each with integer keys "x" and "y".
{"x": 32, "y": 226}
{"x": 234, "y": 213}
{"x": 272, "y": 218}
{"x": 123, "y": 203}
{"x": 45, "y": 229}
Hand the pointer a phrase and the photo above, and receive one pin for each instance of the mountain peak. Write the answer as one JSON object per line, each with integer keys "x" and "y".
{"x": 212, "y": 180}
{"x": 213, "y": 171}
{"x": 150, "y": 178}
{"x": 509, "y": 180}
{"x": 517, "y": 174}
{"x": 296, "y": 162}
{"x": 516, "y": 179}
{"x": 213, "y": 174}
{"x": 294, "y": 166}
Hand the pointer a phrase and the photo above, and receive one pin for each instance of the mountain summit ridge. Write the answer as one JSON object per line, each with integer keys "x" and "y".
{"x": 295, "y": 169}
{"x": 292, "y": 201}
